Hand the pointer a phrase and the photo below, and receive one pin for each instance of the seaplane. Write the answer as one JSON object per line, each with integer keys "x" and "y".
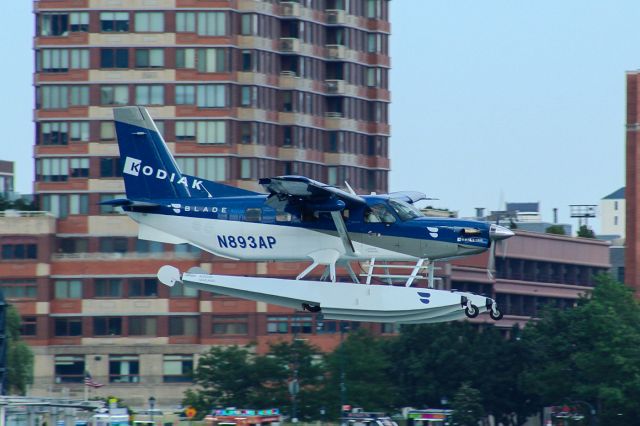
{"x": 298, "y": 219}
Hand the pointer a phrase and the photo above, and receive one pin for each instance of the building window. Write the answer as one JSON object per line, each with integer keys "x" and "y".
{"x": 615, "y": 220}
{"x": 185, "y": 130}
{"x": 212, "y": 96}
{"x": 79, "y": 22}
{"x": 73, "y": 245}
{"x": 186, "y": 58}
{"x": 28, "y": 326}
{"x": 114, "y": 22}
{"x": 114, "y": 95}
{"x": 177, "y": 368}
{"x": 211, "y": 60}
{"x": 183, "y": 326}
{"x": 150, "y": 95}
{"x": 78, "y": 204}
{"x": 18, "y": 288}
{"x": 204, "y": 23}
{"x": 230, "y": 324}
{"x": 110, "y": 167}
{"x": 278, "y": 325}
{"x": 249, "y": 24}
{"x": 114, "y": 58}
{"x": 248, "y": 96}
{"x": 139, "y": 287}
{"x": 211, "y": 168}
{"x": 185, "y": 95}
{"x": 180, "y": 290}
{"x": 52, "y": 169}
{"x": 21, "y": 251}
{"x": 54, "y": 133}
{"x": 247, "y": 132}
{"x": 124, "y": 369}
{"x": 107, "y": 131}
{"x": 69, "y": 368}
{"x": 143, "y": 326}
{"x": 79, "y": 167}
{"x": 108, "y": 287}
{"x": 54, "y": 24}
{"x": 186, "y": 22}
{"x": 64, "y": 327}
{"x": 107, "y": 326}
{"x": 245, "y": 168}
{"x": 54, "y": 97}
{"x": 149, "y": 58}
{"x": 68, "y": 289}
{"x": 149, "y": 22}
{"x": 79, "y": 96}
{"x": 79, "y": 131}
{"x": 246, "y": 61}
{"x": 61, "y": 60}
{"x": 373, "y": 43}
{"x": 211, "y": 132}
{"x": 615, "y": 205}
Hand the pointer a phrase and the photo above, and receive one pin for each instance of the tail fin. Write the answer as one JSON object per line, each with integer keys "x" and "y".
{"x": 149, "y": 169}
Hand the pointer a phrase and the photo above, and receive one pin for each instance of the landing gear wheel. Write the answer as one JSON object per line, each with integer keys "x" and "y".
{"x": 471, "y": 311}
{"x": 495, "y": 315}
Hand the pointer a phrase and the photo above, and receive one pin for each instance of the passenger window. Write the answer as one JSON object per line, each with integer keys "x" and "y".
{"x": 253, "y": 215}
{"x": 283, "y": 217}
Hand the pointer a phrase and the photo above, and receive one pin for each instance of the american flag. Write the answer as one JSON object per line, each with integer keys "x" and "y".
{"x": 88, "y": 381}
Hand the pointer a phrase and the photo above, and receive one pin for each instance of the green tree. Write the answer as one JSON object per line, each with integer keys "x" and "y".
{"x": 362, "y": 364}
{"x": 432, "y": 361}
{"x": 467, "y": 406}
{"x": 19, "y": 356}
{"x": 555, "y": 229}
{"x": 589, "y": 353}
{"x": 586, "y": 232}
{"x": 302, "y": 361}
{"x": 232, "y": 376}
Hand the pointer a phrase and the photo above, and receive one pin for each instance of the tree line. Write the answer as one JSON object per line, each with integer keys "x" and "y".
{"x": 590, "y": 352}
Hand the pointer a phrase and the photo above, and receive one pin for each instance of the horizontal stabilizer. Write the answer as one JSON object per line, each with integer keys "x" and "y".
{"x": 146, "y": 232}
{"x": 119, "y": 202}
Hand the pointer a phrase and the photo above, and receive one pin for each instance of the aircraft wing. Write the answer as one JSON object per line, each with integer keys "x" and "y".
{"x": 410, "y": 196}
{"x": 317, "y": 196}
{"x": 320, "y": 196}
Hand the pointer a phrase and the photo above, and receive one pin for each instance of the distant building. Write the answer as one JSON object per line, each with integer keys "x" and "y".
{"x": 6, "y": 179}
{"x": 525, "y": 212}
{"x": 612, "y": 214}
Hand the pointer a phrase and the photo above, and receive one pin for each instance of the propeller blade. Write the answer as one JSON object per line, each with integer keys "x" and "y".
{"x": 491, "y": 263}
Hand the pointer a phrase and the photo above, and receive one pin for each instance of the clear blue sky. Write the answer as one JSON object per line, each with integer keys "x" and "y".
{"x": 493, "y": 100}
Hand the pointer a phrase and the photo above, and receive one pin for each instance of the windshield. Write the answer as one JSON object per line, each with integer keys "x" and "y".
{"x": 406, "y": 211}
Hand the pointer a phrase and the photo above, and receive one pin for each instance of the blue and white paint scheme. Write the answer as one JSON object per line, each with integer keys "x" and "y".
{"x": 297, "y": 219}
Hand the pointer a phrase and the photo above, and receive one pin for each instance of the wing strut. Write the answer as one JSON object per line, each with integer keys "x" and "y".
{"x": 342, "y": 232}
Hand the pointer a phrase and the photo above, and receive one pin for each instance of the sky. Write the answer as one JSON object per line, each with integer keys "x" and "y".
{"x": 492, "y": 101}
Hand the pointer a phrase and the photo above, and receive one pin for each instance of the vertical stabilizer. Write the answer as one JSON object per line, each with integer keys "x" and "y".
{"x": 149, "y": 170}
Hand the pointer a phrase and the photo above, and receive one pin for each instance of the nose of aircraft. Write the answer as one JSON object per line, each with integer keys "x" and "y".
{"x": 498, "y": 232}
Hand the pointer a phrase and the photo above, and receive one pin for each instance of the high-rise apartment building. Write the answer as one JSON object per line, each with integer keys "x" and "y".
{"x": 241, "y": 89}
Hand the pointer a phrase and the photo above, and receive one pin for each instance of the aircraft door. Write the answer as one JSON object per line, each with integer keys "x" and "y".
{"x": 375, "y": 234}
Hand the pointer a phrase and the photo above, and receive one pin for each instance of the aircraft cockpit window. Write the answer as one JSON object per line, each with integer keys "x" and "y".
{"x": 405, "y": 210}
{"x": 253, "y": 215}
{"x": 378, "y": 214}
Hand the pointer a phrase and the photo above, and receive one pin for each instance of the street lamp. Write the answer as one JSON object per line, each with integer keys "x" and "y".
{"x": 152, "y": 405}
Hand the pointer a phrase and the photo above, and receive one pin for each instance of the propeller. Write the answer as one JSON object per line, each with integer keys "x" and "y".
{"x": 497, "y": 233}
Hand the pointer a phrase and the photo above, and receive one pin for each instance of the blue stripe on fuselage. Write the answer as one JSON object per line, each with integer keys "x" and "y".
{"x": 236, "y": 209}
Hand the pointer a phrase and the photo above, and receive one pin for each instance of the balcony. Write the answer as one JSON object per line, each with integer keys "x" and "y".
{"x": 335, "y": 87}
{"x": 336, "y": 51}
{"x": 289, "y": 45}
{"x": 290, "y": 9}
{"x": 336, "y": 16}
